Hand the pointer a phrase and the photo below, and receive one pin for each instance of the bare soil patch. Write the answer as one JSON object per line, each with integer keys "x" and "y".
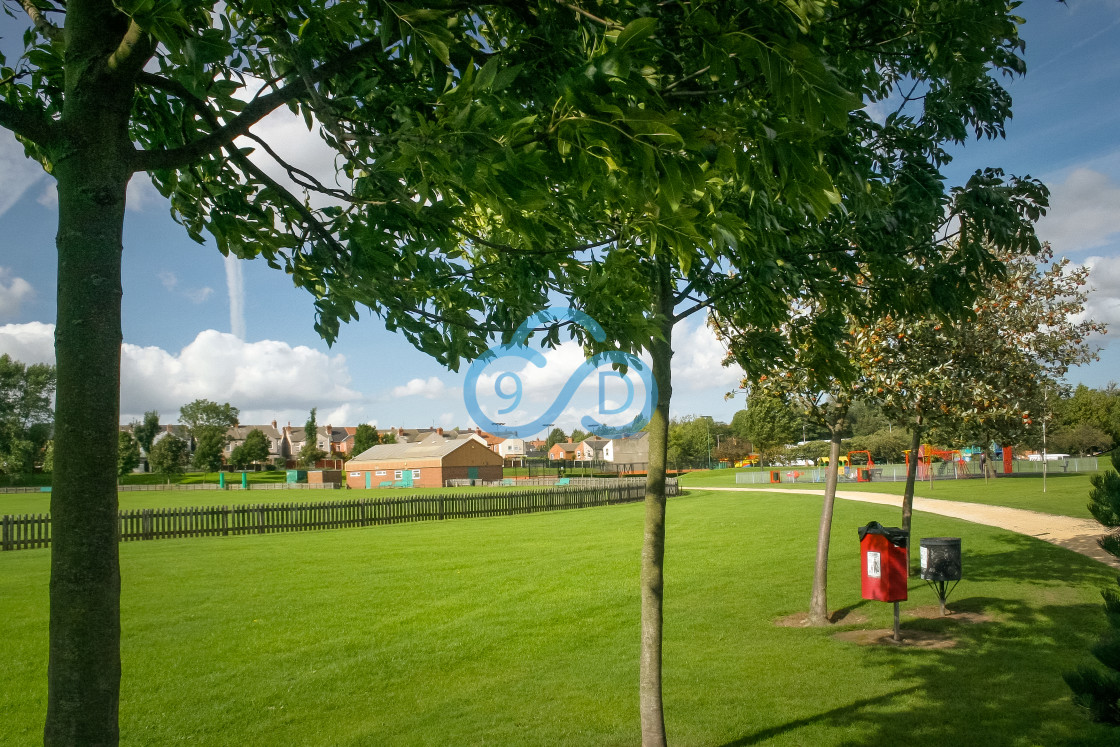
{"x": 839, "y": 617}
{"x": 910, "y": 638}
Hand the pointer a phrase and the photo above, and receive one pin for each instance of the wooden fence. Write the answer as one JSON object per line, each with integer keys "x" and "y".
{"x": 34, "y": 531}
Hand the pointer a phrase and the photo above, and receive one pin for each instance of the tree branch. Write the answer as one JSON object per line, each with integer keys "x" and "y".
{"x": 42, "y": 25}
{"x": 35, "y": 126}
{"x": 310, "y": 220}
{"x": 254, "y": 111}
{"x": 593, "y": 17}
{"x": 133, "y": 52}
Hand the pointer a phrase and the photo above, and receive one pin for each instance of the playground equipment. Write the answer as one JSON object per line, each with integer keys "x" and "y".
{"x": 748, "y": 461}
{"x": 842, "y": 460}
{"x": 951, "y": 463}
{"x": 863, "y": 471}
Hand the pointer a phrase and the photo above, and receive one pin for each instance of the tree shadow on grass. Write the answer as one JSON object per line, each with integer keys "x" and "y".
{"x": 1032, "y": 561}
{"x": 837, "y": 715}
{"x": 1000, "y": 684}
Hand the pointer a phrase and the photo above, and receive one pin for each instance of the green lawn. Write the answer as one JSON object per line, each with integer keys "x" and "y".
{"x": 524, "y": 631}
{"x": 1066, "y": 494}
{"x": 40, "y": 503}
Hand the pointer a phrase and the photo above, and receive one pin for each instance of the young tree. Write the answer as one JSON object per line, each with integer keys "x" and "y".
{"x": 1097, "y": 688}
{"x": 145, "y": 431}
{"x": 365, "y": 437}
{"x": 169, "y": 456}
{"x": 128, "y": 454}
{"x": 310, "y": 453}
{"x": 983, "y": 376}
{"x": 255, "y": 446}
{"x": 652, "y": 160}
{"x": 208, "y": 424}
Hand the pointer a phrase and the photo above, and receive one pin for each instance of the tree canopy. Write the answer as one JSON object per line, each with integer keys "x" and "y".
{"x": 208, "y": 424}
{"x": 648, "y": 161}
{"x": 25, "y": 413}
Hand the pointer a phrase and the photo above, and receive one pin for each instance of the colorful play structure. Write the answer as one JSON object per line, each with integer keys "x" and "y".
{"x": 952, "y": 462}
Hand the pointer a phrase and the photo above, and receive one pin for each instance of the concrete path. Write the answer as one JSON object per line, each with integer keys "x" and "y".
{"x": 1079, "y": 535}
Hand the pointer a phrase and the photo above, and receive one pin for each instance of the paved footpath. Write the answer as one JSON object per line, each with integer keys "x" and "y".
{"x": 1079, "y": 535}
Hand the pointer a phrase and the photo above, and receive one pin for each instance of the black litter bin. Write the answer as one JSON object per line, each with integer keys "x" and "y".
{"x": 941, "y": 563}
{"x": 941, "y": 558}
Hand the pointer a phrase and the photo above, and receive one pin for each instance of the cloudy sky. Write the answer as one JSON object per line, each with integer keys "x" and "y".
{"x": 199, "y": 325}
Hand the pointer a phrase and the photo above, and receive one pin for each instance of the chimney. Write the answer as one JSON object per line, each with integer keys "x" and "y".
{"x": 274, "y": 425}
{"x": 439, "y": 431}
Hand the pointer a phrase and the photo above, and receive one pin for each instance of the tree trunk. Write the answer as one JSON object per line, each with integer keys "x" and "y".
{"x": 911, "y": 474}
{"x": 653, "y": 541}
{"x": 818, "y": 602}
{"x": 91, "y": 164}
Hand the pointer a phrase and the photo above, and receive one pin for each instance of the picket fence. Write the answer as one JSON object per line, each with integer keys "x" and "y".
{"x": 34, "y": 531}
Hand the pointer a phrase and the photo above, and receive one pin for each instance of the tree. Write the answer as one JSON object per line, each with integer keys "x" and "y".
{"x": 388, "y": 437}
{"x": 25, "y": 413}
{"x": 169, "y": 455}
{"x": 1080, "y": 439}
{"x": 691, "y": 440}
{"x": 146, "y": 430}
{"x": 310, "y": 453}
{"x": 579, "y": 436}
{"x": 365, "y": 437}
{"x": 253, "y": 449}
{"x": 651, "y": 160}
{"x": 208, "y": 424}
{"x": 128, "y": 454}
{"x": 769, "y": 424}
{"x": 1097, "y": 688}
{"x": 555, "y": 436}
{"x": 983, "y": 376}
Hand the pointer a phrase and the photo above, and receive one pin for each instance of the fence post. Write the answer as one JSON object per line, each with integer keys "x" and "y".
{"x": 441, "y": 508}
{"x": 7, "y": 538}
{"x": 146, "y": 524}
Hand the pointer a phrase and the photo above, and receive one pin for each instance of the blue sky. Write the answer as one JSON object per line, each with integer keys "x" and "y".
{"x": 198, "y": 325}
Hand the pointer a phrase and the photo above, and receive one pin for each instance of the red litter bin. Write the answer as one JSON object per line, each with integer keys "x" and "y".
{"x": 885, "y": 561}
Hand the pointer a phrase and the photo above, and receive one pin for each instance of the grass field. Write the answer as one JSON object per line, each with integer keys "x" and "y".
{"x": 40, "y": 503}
{"x": 524, "y": 631}
{"x": 1066, "y": 494}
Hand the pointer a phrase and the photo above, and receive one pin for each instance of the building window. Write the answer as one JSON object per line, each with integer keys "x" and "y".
{"x": 380, "y": 473}
{"x": 397, "y": 475}
{"x": 415, "y": 474}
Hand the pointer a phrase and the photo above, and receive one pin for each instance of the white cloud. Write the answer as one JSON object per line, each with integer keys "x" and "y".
{"x": 235, "y": 285}
{"x": 1103, "y": 303}
{"x": 288, "y": 136}
{"x": 430, "y": 388}
{"x": 32, "y": 342}
{"x": 169, "y": 279}
{"x": 1084, "y": 212}
{"x": 698, "y": 360}
{"x": 13, "y": 292}
{"x": 20, "y": 172}
{"x": 266, "y": 379}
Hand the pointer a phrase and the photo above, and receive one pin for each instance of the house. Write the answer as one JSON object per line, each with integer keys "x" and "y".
{"x": 630, "y": 454}
{"x": 412, "y": 435}
{"x": 563, "y": 452}
{"x": 591, "y": 450}
{"x": 429, "y": 462}
{"x": 272, "y": 434}
{"x": 512, "y": 450}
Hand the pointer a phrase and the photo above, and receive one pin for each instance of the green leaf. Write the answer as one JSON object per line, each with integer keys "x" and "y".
{"x": 636, "y": 31}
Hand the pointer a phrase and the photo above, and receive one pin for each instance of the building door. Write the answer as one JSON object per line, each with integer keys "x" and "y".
{"x": 472, "y": 473}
